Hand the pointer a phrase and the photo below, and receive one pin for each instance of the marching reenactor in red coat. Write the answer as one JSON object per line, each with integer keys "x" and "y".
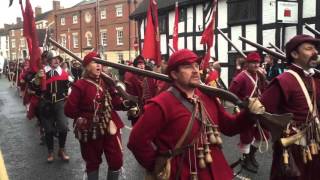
{"x": 51, "y": 105}
{"x": 92, "y": 104}
{"x": 297, "y": 91}
{"x": 178, "y": 135}
{"x": 142, "y": 87}
{"x": 249, "y": 83}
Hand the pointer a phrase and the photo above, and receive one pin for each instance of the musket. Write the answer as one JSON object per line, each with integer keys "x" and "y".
{"x": 314, "y": 31}
{"x": 277, "y": 49}
{"x": 232, "y": 44}
{"x": 270, "y": 121}
{"x": 117, "y": 84}
{"x": 260, "y": 47}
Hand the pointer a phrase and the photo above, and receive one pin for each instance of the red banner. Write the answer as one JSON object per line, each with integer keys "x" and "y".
{"x": 30, "y": 33}
{"x": 175, "y": 35}
{"x": 208, "y": 36}
{"x": 151, "y": 47}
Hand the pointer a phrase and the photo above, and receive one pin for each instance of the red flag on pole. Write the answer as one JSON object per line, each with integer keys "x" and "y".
{"x": 151, "y": 47}
{"x": 208, "y": 36}
{"x": 30, "y": 33}
{"x": 175, "y": 35}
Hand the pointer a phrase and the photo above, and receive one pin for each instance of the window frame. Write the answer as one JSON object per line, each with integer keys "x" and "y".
{"x": 103, "y": 14}
{"x": 75, "y": 40}
{"x": 75, "y": 19}
{"x": 118, "y": 30}
{"x": 89, "y": 42}
{"x": 62, "y": 21}
{"x": 63, "y": 39}
{"x": 102, "y": 39}
{"x": 13, "y": 43}
{"x": 119, "y": 10}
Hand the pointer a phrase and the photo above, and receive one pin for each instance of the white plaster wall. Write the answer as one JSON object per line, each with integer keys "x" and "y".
{"x": 199, "y": 17}
{"x": 142, "y": 29}
{"x": 181, "y": 43}
{"x": 305, "y": 31}
{"x": 289, "y": 33}
{"x": 235, "y": 33}
{"x": 268, "y": 11}
{"x": 251, "y": 34}
{"x": 190, "y": 19}
{"x": 163, "y": 44}
{"x": 222, "y": 49}
{"x": 190, "y": 43}
{"x": 222, "y": 14}
{"x": 198, "y": 45}
{"x": 224, "y": 75}
{"x": 268, "y": 36}
{"x": 309, "y": 8}
{"x": 171, "y": 22}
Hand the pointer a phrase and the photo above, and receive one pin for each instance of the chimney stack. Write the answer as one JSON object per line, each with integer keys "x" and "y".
{"x": 37, "y": 11}
{"x": 56, "y": 5}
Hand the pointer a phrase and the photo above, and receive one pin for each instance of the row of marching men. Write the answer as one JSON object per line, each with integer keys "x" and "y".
{"x": 176, "y": 133}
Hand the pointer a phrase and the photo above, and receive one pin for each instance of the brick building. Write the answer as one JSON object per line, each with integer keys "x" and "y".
{"x": 17, "y": 45}
{"x": 105, "y": 27}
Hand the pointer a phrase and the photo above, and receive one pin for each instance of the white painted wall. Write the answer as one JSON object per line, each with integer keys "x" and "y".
{"x": 224, "y": 75}
{"x": 268, "y": 11}
{"x": 199, "y": 17}
{"x": 268, "y": 36}
{"x": 309, "y": 8}
{"x": 305, "y": 31}
{"x": 142, "y": 29}
{"x": 236, "y": 31}
{"x": 198, "y": 45}
{"x": 190, "y": 19}
{"x": 290, "y": 32}
{"x": 181, "y": 43}
{"x": 222, "y": 14}
{"x": 163, "y": 44}
{"x": 222, "y": 49}
{"x": 190, "y": 42}
{"x": 251, "y": 34}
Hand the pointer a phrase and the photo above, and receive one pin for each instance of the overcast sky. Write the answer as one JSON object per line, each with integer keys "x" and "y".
{"x": 9, "y": 15}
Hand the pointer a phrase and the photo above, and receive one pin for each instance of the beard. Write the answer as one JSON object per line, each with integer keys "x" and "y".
{"x": 314, "y": 61}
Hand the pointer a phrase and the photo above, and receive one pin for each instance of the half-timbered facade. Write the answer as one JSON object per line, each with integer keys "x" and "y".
{"x": 261, "y": 21}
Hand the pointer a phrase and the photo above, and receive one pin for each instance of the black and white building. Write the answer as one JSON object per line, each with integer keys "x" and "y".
{"x": 261, "y": 21}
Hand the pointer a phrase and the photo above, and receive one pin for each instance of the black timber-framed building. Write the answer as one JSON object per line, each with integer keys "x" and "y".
{"x": 260, "y": 21}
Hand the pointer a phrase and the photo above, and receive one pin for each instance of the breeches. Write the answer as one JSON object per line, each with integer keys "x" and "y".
{"x": 53, "y": 118}
{"x": 110, "y": 145}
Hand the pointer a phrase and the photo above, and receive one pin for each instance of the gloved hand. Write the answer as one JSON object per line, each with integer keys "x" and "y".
{"x": 255, "y": 106}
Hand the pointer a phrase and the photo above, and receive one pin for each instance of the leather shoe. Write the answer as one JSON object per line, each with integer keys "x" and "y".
{"x": 50, "y": 158}
{"x": 62, "y": 154}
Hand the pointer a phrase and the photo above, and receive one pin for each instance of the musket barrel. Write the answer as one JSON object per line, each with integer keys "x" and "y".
{"x": 210, "y": 91}
{"x": 232, "y": 44}
{"x": 277, "y": 49}
{"x": 258, "y": 46}
{"x": 312, "y": 30}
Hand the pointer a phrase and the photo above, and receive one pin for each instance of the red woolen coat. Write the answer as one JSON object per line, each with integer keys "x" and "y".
{"x": 134, "y": 85}
{"x": 80, "y": 101}
{"x": 284, "y": 95}
{"x": 163, "y": 123}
